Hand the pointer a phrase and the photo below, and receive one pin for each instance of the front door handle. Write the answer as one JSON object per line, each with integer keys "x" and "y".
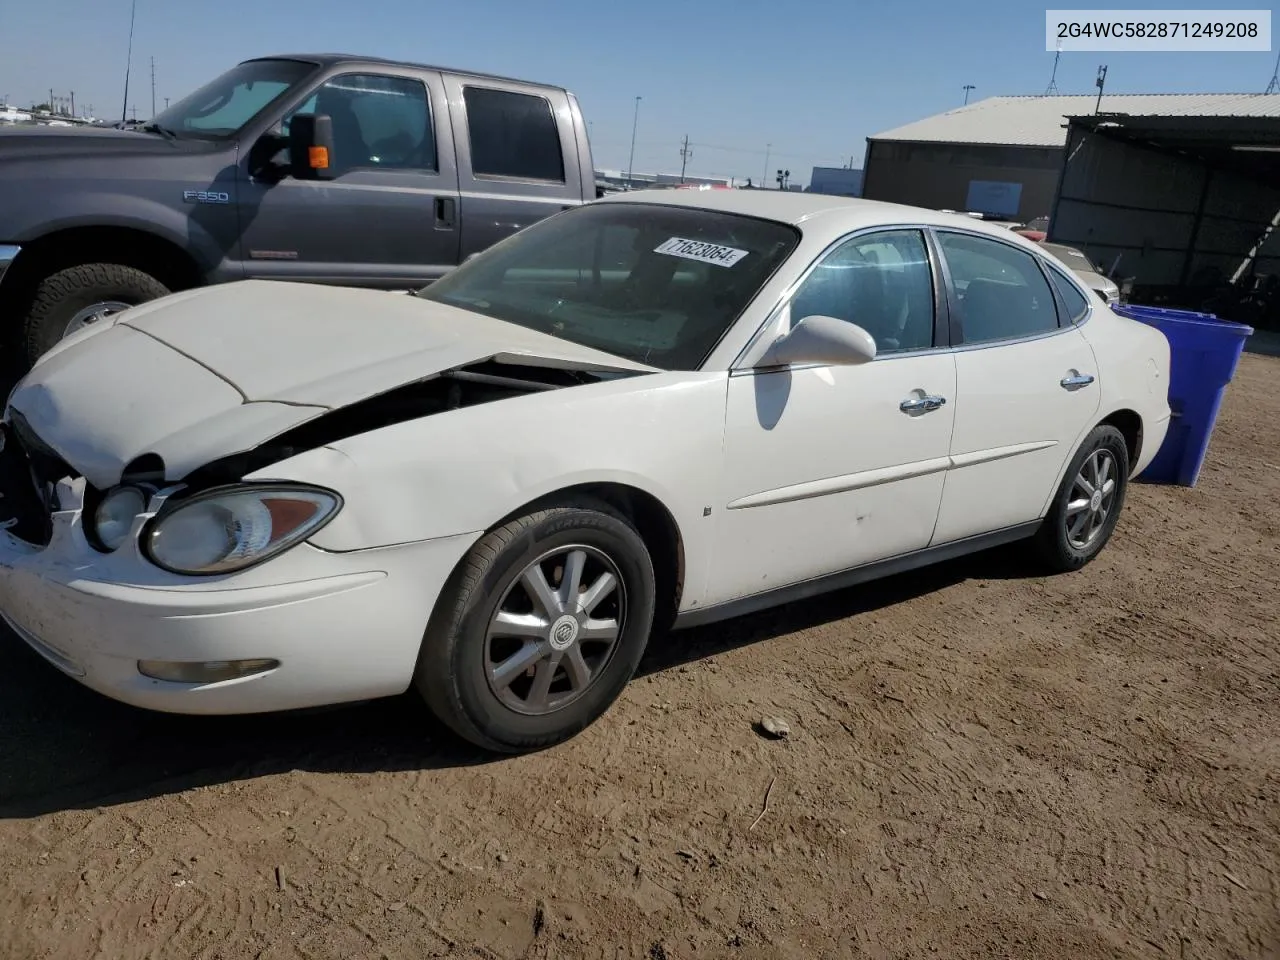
{"x": 924, "y": 404}
{"x": 1071, "y": 381}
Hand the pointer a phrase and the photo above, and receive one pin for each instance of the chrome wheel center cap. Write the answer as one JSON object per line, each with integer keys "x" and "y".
{"x": 564, "y": 632}
{"x": 1095, "y": 501}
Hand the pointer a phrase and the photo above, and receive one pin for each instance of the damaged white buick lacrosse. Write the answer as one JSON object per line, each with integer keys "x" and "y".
{"x": 659, "y": 408}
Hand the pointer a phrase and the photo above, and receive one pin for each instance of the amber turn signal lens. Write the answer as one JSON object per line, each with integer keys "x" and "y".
{"x": 318, "y": 157}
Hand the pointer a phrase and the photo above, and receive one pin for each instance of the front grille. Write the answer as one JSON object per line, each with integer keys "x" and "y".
{"x": 24, "y": 475}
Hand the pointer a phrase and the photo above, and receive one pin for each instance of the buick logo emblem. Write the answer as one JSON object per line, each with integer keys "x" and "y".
{"x": 564, "y": 632}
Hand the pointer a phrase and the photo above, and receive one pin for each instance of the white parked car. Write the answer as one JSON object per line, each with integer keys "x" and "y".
{"x": 659, "y": 407}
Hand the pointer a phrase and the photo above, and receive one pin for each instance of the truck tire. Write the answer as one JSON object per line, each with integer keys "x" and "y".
{"x": 66, "y": 300}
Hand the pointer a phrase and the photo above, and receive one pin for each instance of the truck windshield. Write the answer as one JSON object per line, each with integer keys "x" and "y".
{"x": 223, "y": 106}
{"x": 656, "y": 284}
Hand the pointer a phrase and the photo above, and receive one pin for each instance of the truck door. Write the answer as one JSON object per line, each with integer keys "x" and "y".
{"x": 389, "y": 217}
{"x": 517, "y": 156}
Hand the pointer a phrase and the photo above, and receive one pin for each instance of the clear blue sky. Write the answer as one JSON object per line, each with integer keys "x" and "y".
{"x": 814, "y": 82}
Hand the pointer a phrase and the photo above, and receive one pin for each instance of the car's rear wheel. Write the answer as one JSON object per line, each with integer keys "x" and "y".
{"x": 1087, "y": 506}
{"x": 540, "y": 628}
{"x": 73, "y": 299}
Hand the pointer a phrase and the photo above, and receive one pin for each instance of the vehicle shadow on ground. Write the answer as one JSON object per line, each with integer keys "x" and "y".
{"x": 64, "y": 747}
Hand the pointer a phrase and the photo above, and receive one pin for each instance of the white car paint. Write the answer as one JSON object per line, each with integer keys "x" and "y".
{"x": 772, "y": 478}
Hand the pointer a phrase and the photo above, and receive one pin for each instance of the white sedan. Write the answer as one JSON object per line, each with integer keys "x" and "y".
{"x": 664, "y": 407}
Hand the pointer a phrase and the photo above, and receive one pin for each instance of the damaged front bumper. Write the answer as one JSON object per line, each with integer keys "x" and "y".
{"x": 338, "y": 627}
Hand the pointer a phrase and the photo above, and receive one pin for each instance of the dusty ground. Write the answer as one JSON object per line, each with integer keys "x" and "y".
{"x": 981, "y": 765}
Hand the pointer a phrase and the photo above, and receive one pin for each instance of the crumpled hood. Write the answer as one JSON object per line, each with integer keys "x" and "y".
{"x": 207, "y": 373}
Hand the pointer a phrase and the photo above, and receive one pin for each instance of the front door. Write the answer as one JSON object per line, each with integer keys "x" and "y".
{"x": 831, "y": 467}
{"x": 1028, "y": 378}
{"x": 389, "y": 217}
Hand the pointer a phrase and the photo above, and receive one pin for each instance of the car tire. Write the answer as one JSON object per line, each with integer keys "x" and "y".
{"x": 457, "y": 672}
{"x": 1082, "y": 517}
{"x": 59, "y": 297}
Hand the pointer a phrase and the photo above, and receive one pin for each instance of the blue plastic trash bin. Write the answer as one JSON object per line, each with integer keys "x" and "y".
{"x": 1203, "y": 353}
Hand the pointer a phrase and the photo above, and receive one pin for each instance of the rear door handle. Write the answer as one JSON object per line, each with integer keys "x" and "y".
{"x": 1074, "y": 380}
{"x": 445, "y": 213}
{"x": 925, "y": 404}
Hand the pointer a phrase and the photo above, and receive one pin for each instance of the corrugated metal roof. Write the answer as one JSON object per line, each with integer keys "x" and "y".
{"x": 1041, "y": 121}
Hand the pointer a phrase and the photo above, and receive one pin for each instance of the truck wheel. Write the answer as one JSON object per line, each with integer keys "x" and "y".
{"x": 71, "y": 299}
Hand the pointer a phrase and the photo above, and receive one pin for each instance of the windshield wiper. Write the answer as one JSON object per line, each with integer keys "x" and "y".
{"x": 156, "y": 128}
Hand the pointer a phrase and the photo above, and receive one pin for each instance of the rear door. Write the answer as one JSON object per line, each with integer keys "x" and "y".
{"x": 389, "y": 217}
{"x": 516, "y": 153}
{"x": 1027, "y": 383}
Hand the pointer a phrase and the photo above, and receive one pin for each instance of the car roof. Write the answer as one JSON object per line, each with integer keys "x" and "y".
{"x": 341, "y": 59}
{"x": 799, "y": 209}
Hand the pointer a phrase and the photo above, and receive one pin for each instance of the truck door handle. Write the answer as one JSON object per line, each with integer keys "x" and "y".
{"x": 925, "y": 404}
{"x": 1074, "y": 380}
{"x": 445, "y": 213}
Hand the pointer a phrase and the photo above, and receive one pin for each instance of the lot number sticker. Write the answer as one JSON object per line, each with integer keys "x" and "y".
{"x": 702, "y": 252}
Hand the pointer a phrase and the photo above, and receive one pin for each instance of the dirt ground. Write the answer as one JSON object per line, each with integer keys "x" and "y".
{"x": 982, "y": 764}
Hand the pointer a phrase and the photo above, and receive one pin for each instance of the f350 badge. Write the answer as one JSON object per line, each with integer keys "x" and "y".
{"x": 205, "y": 196}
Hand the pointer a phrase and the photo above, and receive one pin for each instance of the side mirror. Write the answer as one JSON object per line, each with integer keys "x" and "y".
{"x": 819, "y": 339}
{"x": 311, "y": 146}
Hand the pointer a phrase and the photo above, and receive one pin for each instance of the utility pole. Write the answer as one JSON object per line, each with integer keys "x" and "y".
{"x": 73, "y": 103}
{"x": 134, "y": 111}
{"x": 128, "y": 62}
{"x": 1052, "y": 89}
{"x": 153, "y": 87}
{"x": 635, "y": 122}
{"x": 1100, "y": 83}
{"x": 51, "y": 109}
{"x": 1274, "y": 85}
{"x": 968, "y": 87}
{"x": 764, "y": 177}
{"x": 685, "y": 154}
{"x": 166, "y": 103}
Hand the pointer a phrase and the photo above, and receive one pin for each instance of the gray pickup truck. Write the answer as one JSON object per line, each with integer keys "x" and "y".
{"x": 324, "y": 168}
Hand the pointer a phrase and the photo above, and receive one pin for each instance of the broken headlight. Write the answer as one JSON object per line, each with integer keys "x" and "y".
{"x": 230, "y": 528}
{"x": 113, "y": 518}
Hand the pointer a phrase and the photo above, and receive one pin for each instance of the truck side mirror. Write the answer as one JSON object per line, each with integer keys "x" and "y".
{"x": 311, "y": 146}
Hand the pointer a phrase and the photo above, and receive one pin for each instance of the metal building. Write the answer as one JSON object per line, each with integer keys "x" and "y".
{"x": 1167, "y": 188}
{"x": 1182, "y": 199}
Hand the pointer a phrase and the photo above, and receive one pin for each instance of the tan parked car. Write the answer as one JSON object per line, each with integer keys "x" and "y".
{"x": 1088, "y": 271}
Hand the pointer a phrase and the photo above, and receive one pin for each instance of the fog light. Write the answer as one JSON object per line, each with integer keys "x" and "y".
{"x": 207, "y": 671}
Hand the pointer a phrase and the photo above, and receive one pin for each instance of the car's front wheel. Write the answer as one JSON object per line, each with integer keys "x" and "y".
{"x": 540, "y": 628}
{"x": 1087, "y": 506}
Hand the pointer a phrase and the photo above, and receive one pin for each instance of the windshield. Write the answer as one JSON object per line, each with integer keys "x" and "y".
{"x": 656, "y": 284}
{"x": 223, "y": 106}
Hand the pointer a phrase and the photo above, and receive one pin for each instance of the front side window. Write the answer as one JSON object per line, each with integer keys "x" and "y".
{"x": 659, "y": 285}
{"x": 226, "y": 104}
{"x": 1002, "y": 293}
{"x": 513, "y": 135}
{"x": 379, "y": 122}
{"x": 880, "y": 281}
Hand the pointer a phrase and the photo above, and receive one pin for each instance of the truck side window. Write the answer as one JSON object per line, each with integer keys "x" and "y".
{"x": 513, "y": 135}
{"x": 379, "y": 122}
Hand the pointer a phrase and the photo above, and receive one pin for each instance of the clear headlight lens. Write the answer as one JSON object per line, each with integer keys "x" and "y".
{"x": 115, "y": 515}
{"x": 235, "y": 527}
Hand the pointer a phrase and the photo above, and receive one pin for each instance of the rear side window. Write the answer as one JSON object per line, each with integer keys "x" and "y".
{"x": 1077, "y": 303}
{"x": 513, "y": 135}
{"x": 1003, "y": 295}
